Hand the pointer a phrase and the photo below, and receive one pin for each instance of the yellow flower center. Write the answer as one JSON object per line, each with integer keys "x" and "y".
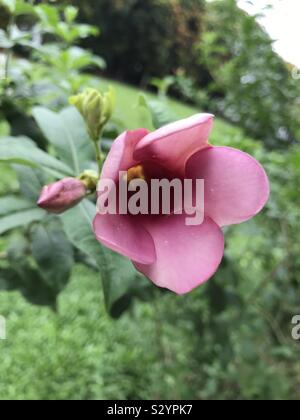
{"x": 136, "y": 172}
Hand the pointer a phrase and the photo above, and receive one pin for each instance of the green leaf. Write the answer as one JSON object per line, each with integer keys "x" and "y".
{"x": 12, "y": 204}
{"x": 4, "y": 125}
{"x": 30, "y": 283}
{"x": 24, "y": 8}
{"x": 77, "y": 58}
{"x": 10, "y": 5}
{"x": 49, "y": 16}
{"x": 70, "y": 13}
{"x": 118, "y": 275}
{"x": 53, "y": 253}
{"x": 31, "y": 182}
{"x": 84, "y": 31}
{"x": 20, "y": 219}
{"x": 35, "y": 290}
{"x": 22, "y": 276}
{"x": 67, "y": 133}
{"x": 22, "y": 150}
{"x": 159, "y": 110}
{"x": 77, "y": 223}
{"x": 143, "y": 114}
{"x": 8, "y": 280}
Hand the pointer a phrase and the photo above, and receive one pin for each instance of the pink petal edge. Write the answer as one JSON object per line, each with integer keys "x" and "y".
{"x": 236, "y": 185}
{"x": 187, "y": 256}
{"x": 120, "y": 157}
{"x": 174, "y": 143}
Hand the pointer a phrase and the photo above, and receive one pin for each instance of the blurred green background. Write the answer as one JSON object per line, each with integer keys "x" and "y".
{"x": 229, "y": 339}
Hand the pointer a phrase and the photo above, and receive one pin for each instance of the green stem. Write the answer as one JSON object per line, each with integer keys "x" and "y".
{"x": 99, "y": 154}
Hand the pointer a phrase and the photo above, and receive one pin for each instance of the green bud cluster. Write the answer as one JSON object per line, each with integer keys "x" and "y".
{"x": 96, "y": 109}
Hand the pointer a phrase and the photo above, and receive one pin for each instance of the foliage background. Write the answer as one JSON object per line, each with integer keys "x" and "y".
{"x": 231, "y": 338}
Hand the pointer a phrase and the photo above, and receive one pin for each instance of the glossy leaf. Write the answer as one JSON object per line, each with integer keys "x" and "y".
{"x": 12, "y": 204}
{"x": 53, "y": 253}
{"x": 20, "y": 219}
{"x": 31, "y": 182}
{"x": 118, "y": 274}
{"x": 67, "y": 133}
{"x": 22, "y": 150}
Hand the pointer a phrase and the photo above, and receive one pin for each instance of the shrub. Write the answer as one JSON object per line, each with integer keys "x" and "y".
{"x": 141, "y": 39}
{"x": 252, "y": 86}
{"x": 40, "y": 61}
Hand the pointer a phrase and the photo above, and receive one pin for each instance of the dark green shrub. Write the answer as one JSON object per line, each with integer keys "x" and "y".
{"x": 141, "y": 39}
{"x": 3, "y": 17}
{"x": 252, "y": 86}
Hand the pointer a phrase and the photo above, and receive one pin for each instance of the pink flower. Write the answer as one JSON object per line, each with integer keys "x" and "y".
{"x": 170, "y": 253}
{"x": 62, "y": 195}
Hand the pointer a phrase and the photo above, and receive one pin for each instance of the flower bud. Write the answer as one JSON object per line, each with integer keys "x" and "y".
{"x": 90, "y": 179}
{"x": 96, "y": 109}
{"x": 62, "y": 195}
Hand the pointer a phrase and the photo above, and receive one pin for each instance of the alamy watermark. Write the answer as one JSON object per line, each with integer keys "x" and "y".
{"x": 154, "y": 197}
{"x": 296, "y": 328}
{"x": 296, "y": 73}
{"x": 2, "y": 328}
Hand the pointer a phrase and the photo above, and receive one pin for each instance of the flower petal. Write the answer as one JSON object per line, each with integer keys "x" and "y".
{"x": 236, "y": 185}
{"x": 120, "y": 157}
{"x": 125, "y": 235}
{"x": 186, "y": 256}
{"x": 173, "y": 144}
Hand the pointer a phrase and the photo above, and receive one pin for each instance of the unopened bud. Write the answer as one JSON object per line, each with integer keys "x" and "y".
{"x": 96, "y": 109}
{"x": 62, "y": 195}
